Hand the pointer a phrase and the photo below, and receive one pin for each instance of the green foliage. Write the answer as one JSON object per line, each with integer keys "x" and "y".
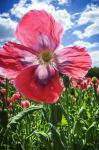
{"x": 20, "y": 115}
{"x": 71, "y": 124}
{"x": 3, "y": 118}
{"x": 93, "y": 72}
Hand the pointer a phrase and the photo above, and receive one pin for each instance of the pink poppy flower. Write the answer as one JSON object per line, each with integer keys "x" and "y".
{"x": 85, "y": 83}
{"x": 25, "y": 104}
{"x": 35, "y": 64}
{"x": 16, "y": 96}
{"x": 3, "y": 91}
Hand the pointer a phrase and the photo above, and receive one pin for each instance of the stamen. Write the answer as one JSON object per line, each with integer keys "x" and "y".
{"x": 46, "y": 57}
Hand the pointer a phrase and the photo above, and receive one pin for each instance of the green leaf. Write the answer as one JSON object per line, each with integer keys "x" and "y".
{"x": 19, "y": 146}
{"x": 64, "y": 121}
{"x": 90, "y": 133}
{"x": 44, "y": 137}
{"x": 23, "y": 113}
{"x": 57, "y": 141}
{"x": 56, "y": 114}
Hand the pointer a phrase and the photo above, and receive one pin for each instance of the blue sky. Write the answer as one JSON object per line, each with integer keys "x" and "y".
{"x": 80, "y": 19}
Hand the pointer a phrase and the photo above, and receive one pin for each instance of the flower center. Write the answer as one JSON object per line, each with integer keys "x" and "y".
{"x": 46, "y": 56}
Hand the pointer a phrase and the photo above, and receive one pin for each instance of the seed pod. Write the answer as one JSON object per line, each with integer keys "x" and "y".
{"x": 94, "y": 80}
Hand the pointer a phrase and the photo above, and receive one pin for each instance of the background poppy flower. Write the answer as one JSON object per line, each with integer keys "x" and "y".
{"x": 35, "y": 64}
{"x": 25, "y": 104}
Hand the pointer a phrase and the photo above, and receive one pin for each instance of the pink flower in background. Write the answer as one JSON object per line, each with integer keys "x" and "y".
{"x": 3, "y": 91}
{"x": 25, "y": 103}
{"x": 10, "y": 106}
{"x": 85, "y": 83}
{"x": 9, "y": 103}
{"x": 16, "y": 96}
{"x": 35, "y": 64}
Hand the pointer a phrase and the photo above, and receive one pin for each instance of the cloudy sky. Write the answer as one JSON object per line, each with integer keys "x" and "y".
{"x": 80, "y": 19}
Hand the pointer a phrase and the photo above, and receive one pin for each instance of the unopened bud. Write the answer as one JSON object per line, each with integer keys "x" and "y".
{"x": 94, "y": 80}
{"x": 3, "y": 91}
{"x": 25, "y": 103}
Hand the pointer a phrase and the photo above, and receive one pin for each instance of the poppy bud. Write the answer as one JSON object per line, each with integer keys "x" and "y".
{"x": 3, "y": 91}
{"x": 25, "y": 103}
{"x": 8, "y": 100}
{"x": 9, "y": 106}
{"x": 16, "y": 97}
{"x": 94, "y": 80}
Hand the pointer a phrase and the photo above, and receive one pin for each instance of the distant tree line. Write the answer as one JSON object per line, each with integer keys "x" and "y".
{"x": 93, "y": 72}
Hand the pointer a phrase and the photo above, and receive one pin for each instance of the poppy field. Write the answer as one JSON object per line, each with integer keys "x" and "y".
{"x": 70, "y": 124}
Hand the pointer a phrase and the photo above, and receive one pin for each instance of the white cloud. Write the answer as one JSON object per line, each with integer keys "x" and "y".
{"x": 7, "y": 27}
{"x": 95, "y": 58}
{"x": 62, "y": 2}
{"x": 89, "y": 17}
{"x": 78, "y": 34}
{"x": 60, "y": 15}
{"x": 86, "y": 44}
{"x": 64, "y": 18}
{"x": 4, "y": 15}
{"x": 19, "y": 8}
{"x": 89, "y": 31}
{"x": 92, "y": 29}
{"x": 38, "y": 1}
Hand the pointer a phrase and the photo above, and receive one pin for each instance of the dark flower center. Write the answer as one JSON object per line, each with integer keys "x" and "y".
{"x": 46, "y": 56}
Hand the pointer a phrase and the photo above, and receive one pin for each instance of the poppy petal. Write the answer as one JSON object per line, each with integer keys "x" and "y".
{"x": 43, "y": 73}
{"x": 13, "y": 58}
{"x": 28, "y": 85}
{"x": 73, "y": 61}
{"x": 38, "y": 30}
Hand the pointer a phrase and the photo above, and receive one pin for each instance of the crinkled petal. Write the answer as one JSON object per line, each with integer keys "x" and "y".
{"x": 73, "y": 61}
{"x": 15, "y": 57}
{"x": 38, "y": 30}
{"x": 30, "y": 87}
{"x": 43, "y": 73}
